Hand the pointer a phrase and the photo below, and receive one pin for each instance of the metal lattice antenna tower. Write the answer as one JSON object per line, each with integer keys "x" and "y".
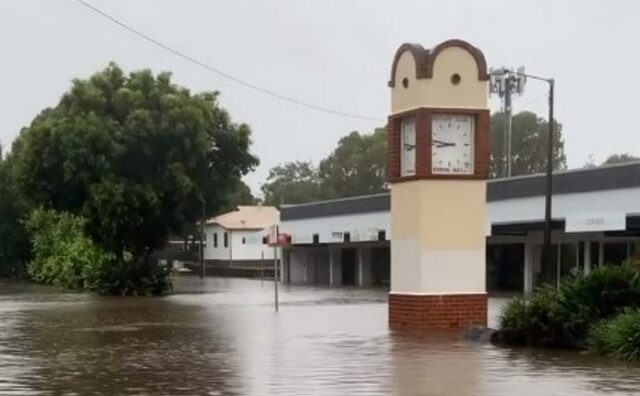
{"x": 506, "y": 82}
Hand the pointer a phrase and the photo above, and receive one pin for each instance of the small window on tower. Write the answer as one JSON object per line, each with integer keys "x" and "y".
{"x": 408, "y": 147}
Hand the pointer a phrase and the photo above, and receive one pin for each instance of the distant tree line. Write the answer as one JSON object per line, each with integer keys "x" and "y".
{"x": 357, "y": 166}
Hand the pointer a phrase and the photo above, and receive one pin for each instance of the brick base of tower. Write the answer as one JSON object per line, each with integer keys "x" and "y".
{"x": 447, "y": 311}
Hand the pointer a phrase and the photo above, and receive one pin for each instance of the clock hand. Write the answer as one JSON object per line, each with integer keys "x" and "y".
{"x": 440, "y": 143}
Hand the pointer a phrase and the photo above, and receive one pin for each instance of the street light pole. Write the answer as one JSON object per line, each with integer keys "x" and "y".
{"x": 497, "y": 86}
{"x": 549, "y": 176}
{"x": 202, "y": 234}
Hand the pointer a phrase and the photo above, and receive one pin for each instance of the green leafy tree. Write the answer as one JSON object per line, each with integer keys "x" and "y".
{"x": 62, "y": 254}
{"x": 620, "y": 159}
{"x": 292, "y": 182}
{"x": 135, "y": 155}
{"x": 357, "y": 166}
{"x": 14, "y": 240}
{"x": 240, "y": 195}
{"x": 529, "y": 142}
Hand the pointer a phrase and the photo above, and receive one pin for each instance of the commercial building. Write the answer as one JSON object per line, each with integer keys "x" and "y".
{"x": 596, "y": 221}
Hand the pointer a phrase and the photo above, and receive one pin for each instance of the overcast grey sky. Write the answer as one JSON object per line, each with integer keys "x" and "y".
{"x": 335, "y": 54}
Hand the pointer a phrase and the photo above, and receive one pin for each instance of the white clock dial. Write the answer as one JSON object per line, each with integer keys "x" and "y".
{"x": 452, "y": 144}
{"x": 408, "y": 142}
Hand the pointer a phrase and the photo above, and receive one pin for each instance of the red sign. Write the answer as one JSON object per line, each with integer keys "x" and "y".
{"x": 279, "y": 240}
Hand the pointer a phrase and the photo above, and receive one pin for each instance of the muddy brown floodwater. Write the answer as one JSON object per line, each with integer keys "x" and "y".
{"x": 221, "y": 337}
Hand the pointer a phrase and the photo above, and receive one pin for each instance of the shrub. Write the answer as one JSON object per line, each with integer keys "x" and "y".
{"x": 618, "y": 337}
{"x": 532, "y": 321}
{"x": 64, "y": 256}
{"x": 600, "y": 295}
{"x": 562, "y": 317}
{"x": 132, "y": 276}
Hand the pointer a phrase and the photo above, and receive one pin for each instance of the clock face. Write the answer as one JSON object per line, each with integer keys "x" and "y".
{"x": 452, "y": 144}
{"x": 408, "y": 161}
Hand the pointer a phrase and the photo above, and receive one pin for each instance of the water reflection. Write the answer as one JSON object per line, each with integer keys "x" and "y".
{"x": 222, "y": 337}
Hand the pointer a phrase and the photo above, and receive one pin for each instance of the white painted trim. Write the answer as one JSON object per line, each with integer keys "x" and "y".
{"x": 435, "y": 294}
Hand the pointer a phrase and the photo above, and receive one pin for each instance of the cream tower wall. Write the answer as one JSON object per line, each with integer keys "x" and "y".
{"x": 438, "y": 243}
{"x": 438, "y": 226}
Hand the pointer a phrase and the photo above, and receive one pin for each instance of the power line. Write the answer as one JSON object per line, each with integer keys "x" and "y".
{"x": 219, "y": 72}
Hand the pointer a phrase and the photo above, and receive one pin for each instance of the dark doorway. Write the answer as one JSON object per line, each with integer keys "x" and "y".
{"x": 505, "y": 267}
{"x": 348, "y": 266}
{"x": 380, "y": 265}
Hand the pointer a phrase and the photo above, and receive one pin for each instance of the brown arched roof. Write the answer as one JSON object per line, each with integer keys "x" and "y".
{"x": 424, "y": 59}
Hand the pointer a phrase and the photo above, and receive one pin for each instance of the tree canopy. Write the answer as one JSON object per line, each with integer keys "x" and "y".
{"x": 14, "y": 241}
{"x": 240, "y": 194}
{"x": 620, "y": 158}
{"x": 357, "y": 166}
{"x": 135, "y": 155}
{"x": 528, "y": 144}
{"x": 292, "y": 182}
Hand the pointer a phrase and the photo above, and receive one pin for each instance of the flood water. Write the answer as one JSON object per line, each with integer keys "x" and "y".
{"x": 222, "y": 337}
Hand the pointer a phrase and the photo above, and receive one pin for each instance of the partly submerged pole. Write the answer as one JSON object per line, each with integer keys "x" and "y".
{"x": 275, "y": 271}
{"x": 548, "y": 183}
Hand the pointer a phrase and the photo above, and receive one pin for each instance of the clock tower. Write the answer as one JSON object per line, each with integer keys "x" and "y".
{"x": 438, "y": 166}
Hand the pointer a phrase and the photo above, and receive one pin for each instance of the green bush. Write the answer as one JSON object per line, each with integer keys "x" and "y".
{"x": 131, "y": 276}
{"x": 562, "y": 317}
{"x": 534, "y": 320}
{"x": 64, "y": 256}
{"x": 618, "y": 337}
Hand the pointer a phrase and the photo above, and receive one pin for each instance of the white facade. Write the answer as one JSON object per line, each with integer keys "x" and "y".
{"x": 361, "y": 228}
{"x": 596, "y": 221}
{"x": 624, "y": 201}
{"x": 241, "y": 245}
{"x": 365, "y": 226}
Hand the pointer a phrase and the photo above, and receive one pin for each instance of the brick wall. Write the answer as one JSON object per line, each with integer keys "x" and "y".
{"x": 450, "y": 311}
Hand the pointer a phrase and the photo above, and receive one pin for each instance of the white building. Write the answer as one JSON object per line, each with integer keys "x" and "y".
{"x": 595, "y": 221}
{"x": 235, "y": 238}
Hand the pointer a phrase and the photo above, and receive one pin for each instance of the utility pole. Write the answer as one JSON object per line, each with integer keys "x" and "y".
{"x": 275, "y": 266}
{"x": 549, "y": 185}
{"x": 202, "y": 235}
{"x": 499, "y": 85}
{"x": 507, "y": 125}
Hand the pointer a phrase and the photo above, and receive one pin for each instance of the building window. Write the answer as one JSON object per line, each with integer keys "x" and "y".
{"x": 408, "y": 147}
{"x": 226, "y": 239}
{"x": 215, "y": 239}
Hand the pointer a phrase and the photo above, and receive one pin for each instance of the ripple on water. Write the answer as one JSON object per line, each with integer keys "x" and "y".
{"x": 222, "y": 337}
